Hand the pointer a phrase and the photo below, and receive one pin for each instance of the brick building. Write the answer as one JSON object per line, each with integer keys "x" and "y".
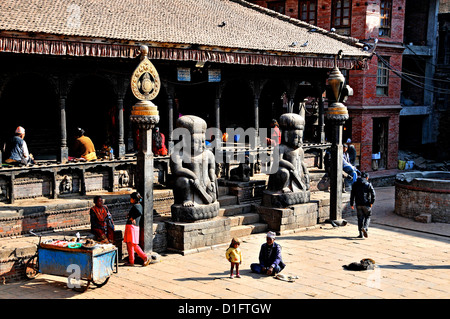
{"x": 375, "y": 107}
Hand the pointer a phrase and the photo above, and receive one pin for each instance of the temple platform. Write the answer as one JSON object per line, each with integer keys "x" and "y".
{"x": 64, "y": 217}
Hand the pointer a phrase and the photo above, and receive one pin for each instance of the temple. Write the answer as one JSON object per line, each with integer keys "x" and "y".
{"x": 231, "y": 63}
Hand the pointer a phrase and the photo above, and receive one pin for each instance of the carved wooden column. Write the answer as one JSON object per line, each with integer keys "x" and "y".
{"x": 170, "y": 97}
{"x": 321, "y": 126}
{"x": 62, "y": 88}
{"x": 121, "y": 91}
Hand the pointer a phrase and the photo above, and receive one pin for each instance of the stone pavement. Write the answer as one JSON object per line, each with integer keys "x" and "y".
{"x": 412, "y": 261}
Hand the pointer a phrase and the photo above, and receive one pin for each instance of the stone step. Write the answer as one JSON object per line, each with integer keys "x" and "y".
{"x": 227, "y": 200}
{"x": 231, "y": 210}
{"x": 246, "y": 230}
{"x": 223, "y": 190}
{"x": 245, "y": 219}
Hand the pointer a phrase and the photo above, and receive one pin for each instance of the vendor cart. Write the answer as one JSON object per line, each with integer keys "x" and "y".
{"x": 79, "y": 263}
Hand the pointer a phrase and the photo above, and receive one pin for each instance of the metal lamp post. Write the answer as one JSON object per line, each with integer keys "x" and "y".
{"x": 145, "y": 85}
{"x": 337, "y": 114}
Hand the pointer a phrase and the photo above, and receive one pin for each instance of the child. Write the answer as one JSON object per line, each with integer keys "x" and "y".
{"x": 131, "y": 236}
{"x": 234, "y": 256}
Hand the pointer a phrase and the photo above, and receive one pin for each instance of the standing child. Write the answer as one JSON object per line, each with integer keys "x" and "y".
{"x": 131, "y": 236}
{"x": 234, "y": 256}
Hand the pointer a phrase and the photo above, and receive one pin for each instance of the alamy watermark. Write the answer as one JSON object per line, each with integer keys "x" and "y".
{"x": 242, "y": 146}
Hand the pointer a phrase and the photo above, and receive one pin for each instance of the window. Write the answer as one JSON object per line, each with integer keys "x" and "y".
{"x": 385, "y": 18}
{"x": 341, "y": 16}
{"x": 277, "y": 6}
{"x": 307, "y": 11}
{"x": 382, "y": 77}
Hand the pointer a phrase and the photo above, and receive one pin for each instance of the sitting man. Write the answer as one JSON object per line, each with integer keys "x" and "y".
{"x": 351, "y": 170}
{"x": 83, "y": 147}
{"x": 18, "y": 149}
{"x": 270, "y": 261}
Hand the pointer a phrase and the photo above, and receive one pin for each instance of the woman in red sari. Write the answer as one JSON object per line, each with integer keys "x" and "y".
{"x": 102, "y": 225}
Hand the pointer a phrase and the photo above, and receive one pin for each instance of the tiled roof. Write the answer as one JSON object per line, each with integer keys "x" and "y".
{"x": 226, "y": 24}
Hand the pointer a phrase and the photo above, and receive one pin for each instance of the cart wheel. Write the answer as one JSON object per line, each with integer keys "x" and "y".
{"x": 101, "y": 283}
{"x": 32, "y": 268}
{"x": 79, "y": 285}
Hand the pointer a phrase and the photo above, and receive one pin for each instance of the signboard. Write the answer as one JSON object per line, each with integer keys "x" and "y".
{"x": 184, "y": 74}
{"x": 214, "y": 75}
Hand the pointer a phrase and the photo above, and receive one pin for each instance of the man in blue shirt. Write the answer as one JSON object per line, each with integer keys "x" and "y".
{"x": 18, "y": 149}
{"x": 270, "y": 261}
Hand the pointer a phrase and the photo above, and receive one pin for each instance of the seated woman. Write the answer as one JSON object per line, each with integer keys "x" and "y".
{"x": 83, "y": 147}
{"x": 102, "y": 225}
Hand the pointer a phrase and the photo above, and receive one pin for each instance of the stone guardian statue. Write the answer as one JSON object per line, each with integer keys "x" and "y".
{"x": 289, "y": 185}
{"x": 195, "y": 185}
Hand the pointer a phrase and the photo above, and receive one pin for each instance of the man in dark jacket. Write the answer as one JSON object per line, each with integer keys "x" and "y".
{"x": 363, "y": 195}
{"x": 270, "y": 261}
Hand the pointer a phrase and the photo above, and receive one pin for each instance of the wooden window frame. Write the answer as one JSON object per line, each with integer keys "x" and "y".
{"x": 308, "y": 11}
{"x": 338, "y": 13}
{"x": 382, "y": 87}
{"x": 385, "y": 18}
{"x": 272, "y": 4}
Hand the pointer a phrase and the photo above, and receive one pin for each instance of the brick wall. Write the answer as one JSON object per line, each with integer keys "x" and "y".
{"x": 365, "y": 20}
{"x": 72, "y": 214}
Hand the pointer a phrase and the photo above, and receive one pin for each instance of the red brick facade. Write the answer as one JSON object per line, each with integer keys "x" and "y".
{"x": 365, "y": 105}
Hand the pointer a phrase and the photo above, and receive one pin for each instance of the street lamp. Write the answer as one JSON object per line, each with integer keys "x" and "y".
{"x": 337, "y": 115}
{"x": 145, "y": 85}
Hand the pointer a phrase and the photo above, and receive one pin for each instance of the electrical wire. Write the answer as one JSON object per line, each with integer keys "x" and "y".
{"x": 412, "y": 81}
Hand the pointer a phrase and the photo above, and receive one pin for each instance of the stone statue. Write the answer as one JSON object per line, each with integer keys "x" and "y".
{"x": 242, "y": 172}
{"x": 195, "y": 185}
{"x": 289, "y": 185}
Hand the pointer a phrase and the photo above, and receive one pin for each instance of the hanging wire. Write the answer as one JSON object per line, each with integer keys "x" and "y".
{"x": 410, "y": 80}
{"x": 420, "y": 84}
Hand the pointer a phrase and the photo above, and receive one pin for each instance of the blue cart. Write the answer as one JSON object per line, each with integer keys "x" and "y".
{"x": 80, "y": 265}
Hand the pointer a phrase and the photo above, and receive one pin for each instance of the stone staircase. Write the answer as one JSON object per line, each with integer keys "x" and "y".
{"x": 244, "y": 219}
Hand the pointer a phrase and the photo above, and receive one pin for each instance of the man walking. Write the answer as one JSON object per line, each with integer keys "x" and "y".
{"x": 363, "y": 195}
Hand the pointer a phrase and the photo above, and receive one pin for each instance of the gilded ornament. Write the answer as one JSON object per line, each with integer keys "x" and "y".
{"x": 145, "y": 82}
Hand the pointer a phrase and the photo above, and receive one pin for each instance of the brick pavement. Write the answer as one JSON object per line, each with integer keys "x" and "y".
{"x": 411, "y": 264}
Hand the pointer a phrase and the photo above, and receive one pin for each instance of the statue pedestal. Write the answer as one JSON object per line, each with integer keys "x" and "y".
{"x": 186, "y": 238}
{"x": 245, "y": 191}
{"x": 194, "y": 213}
{"x": 282, "y": 200}
{"x": 290, "y": 218}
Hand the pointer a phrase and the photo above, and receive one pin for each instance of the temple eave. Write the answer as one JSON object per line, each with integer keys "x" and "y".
{"x": 66, "y": 46}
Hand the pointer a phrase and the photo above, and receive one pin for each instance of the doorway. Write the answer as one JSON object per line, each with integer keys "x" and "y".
{"x": 380, "y": 140}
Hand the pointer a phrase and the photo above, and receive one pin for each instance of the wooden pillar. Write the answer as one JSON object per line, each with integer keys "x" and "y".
{"x": 121, "y": 89}
{"x": 121, "y": 147}
{"x": 62, "y": 89}
{"x": 256, "y": 111}
{"x": 170, "y": 122}
{"x": 321, "y": 127}
{"x": 63, "y": 155}
{"x": 170, "y": 102}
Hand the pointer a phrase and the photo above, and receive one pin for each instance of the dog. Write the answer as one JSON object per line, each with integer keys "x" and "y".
{"x": 364, "y": 264}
